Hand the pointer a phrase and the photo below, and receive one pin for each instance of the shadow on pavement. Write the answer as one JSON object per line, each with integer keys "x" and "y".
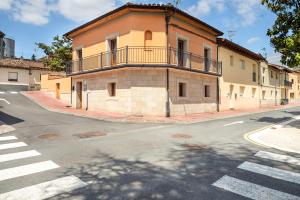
{"x": 9, "y": 119}
{"x": 292, "y": 112}
{"x": 272, "y": 119}
{"x": 188, "y": 175}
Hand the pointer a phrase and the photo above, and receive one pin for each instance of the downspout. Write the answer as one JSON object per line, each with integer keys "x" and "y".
{"x": 71, "y": 92}
{"x": 260, "y": 82}
{"x": 218, "y": 81}
{"x": 167, "y": 18}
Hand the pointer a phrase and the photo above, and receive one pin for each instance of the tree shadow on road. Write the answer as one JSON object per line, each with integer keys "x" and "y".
{"x": 9, "y": 119}
{"x": 272, "y": 119}
{"x": 186, "y": 173}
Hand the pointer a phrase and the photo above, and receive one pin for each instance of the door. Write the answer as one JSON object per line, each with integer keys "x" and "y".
{"x": 58, "y": 90}
{"x": 180, "y": 53}
{"x": 79, "y": 95}
{"x": 207, "y": 59}
{"x": 232, "y": 97}
{"x": 113, "y": 51}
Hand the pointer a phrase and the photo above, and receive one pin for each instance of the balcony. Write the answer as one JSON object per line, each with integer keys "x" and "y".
{"x": 288, "y": 83}
{"x": 145, "y": 57}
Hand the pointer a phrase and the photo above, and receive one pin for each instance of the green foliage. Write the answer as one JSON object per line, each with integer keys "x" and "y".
{"x": 285, "y": 33}
{"x": 59, "y": 53}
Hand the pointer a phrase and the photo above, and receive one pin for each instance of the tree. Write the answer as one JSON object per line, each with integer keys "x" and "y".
{"x": 33, "y": 57}
{"x": 59, "y": 53}
{"x": 285, "y": 32}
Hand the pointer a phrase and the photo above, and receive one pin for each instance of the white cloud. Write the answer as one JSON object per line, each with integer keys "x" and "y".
{"x": 253, "y": 40}
{"x": 5, "y": 4}
{"x": 246, "y": 10}
{"x": 33, "y": 12}
{"x": 79, "y": 11}
{"x": 204, "y": 7}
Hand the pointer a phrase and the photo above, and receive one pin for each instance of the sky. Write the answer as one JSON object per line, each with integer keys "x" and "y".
{"x": 32, "y": 21}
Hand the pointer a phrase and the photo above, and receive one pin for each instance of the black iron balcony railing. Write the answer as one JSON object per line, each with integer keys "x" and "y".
{"x": 288, "y": 83}
{"x": 145, "y": 56}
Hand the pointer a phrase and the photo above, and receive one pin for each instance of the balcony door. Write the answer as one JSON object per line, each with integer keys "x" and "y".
{"x": 207, "y": 59}
{"x": 113, "y": 51}
{"x": 181, "y": 47}
{"x": 79, "y": 56}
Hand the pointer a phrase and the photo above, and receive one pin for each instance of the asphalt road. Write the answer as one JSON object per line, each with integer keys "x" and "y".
{"x": 68, "y": 157}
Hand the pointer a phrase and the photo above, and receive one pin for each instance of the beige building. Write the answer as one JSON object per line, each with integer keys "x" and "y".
{"x": 240, "y": 82}
{"x": 163, "y": 62}
{"x": 21, "y": 74}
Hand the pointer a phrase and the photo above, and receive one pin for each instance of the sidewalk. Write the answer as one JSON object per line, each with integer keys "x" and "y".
{"x": 4, "y": 128}
{"x": 284, "y": 136}
{"x": 52, "y": 104}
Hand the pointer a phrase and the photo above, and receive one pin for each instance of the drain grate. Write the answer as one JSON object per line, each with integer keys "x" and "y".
{"x": 48, "y": 136}
{"x": 181, "y": 136}
{"x": 90, "y": 134}
{"x": 194, "y": 146}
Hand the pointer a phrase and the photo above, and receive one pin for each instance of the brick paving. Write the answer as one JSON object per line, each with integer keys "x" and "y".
{"x": 52, "y": 104}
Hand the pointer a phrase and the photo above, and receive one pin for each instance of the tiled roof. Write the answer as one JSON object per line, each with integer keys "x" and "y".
{"x": 157, "y": 6}
{"x": 21, "y": 64}
{"x": 239, "y": 49}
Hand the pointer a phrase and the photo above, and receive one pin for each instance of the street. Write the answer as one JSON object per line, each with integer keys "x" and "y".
{"x": 81, "y": 158}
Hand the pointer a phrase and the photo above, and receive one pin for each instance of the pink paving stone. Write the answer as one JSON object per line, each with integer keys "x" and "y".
{"x": 53, "y": 104}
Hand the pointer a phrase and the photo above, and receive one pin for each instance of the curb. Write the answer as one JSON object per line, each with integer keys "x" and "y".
{"x": 265, "y": 145}
{"x": 150, "y": 121}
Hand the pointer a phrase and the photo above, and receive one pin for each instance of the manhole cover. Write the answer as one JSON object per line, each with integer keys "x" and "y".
{"x": 90, "y": 134}
{"x": 194, "y": 146}
{"x": 181, "y": 136}
{"x": 48, "y": 136}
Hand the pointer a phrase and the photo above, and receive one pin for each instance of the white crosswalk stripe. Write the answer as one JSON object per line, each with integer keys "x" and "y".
{"x": 251, "y": 190}
{"x": 45, "y": 190}
{"x": 258, "y": 192}
{"x": 26, "y": 170}
{"x": 12, "y": 145}
{"x": 278, "y": 157}
{"x": 272, "y": 172}
{"x": 6, "y": 138}
{"x": 18, "y": 155}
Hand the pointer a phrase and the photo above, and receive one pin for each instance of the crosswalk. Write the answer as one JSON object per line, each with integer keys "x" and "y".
{"x": 37, "y": 191}
{"x": 9, "y": 92}
{"x": 258, "y": 192}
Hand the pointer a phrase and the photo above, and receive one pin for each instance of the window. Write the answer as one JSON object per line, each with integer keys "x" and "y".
{"x": 148, "y": 38}
{"x": 242, "y": 91}
{"x": 112, "y": 89}
{"x": 254, "y": 73}
{"x": 271, "y": 74}
{"x": 242, "y": 64}
{"x": 292, "y": 81}
{"x": 182, "y": 89}
{"x": 207, "y": 57}
{"x": 263, "y": 94}
{"x": 231, "y": 61}
{"x": 264, "y": 69}
{"x": 13, "y": 76}
{"x": 263, "y": 80}
{"x": 207, "y": 91}
{"x": 276, "y": 76}
{"x": 253, "y": 92}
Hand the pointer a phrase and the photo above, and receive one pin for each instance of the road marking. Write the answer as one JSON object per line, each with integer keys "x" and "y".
{"x": 1, "y": 92}
{"x": 45, "y": 190}
{"x": 26, "y": 170}
{"x": 5, "y": 138}
{"x": 5, "y": 100}
{"x": 19, "y": 155}
{"x": 271, "y": 171}
{"x": 251, "y": 190}
{"x": 13, "y": 92}
{"x": 278, "y": 157}
{"x": 12, "y": 145}
{"x": 233, "y": 123}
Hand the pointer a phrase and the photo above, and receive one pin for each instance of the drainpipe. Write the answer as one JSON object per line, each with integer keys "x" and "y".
{"x": 218, "y": 81}
{"x": 71, "y": 92}
{"x": 167, "y": 18}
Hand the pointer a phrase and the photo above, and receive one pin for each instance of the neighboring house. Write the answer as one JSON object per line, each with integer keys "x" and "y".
{"x": 21, "y": 74}
{"x": 272, "y": 80}
{"x": 294, "y": 91}
{"x": 58, "y": 86}
{"x": 240, "y": 82}
{"x": 145, "y": 60}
